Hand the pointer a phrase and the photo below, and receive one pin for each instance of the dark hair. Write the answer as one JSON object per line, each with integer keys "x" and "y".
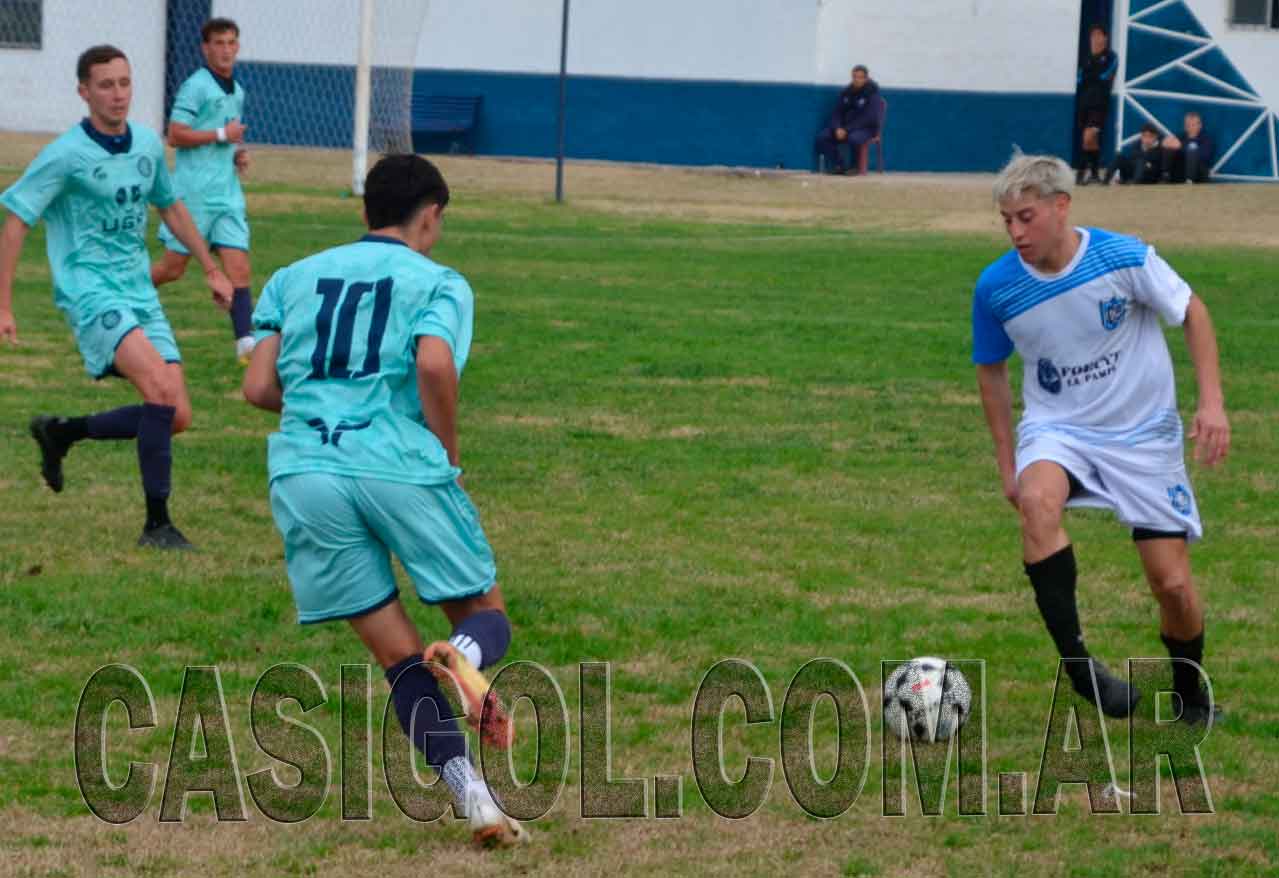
{"x": 1150, "y": 128}
{"x": 1098, "y": 29}
{"x": 96, "y": 55}
{"x": 1194, "y": 113}
{"x": 399, "y": 186}
{"x": 862, "y": 68}
{"x": 217, "y": 26}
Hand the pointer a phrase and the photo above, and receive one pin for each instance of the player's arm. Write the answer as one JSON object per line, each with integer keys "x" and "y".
{"x": 997, "y": 403}
{"x": 12, "y": 236}
{"x": 437, "y": 388}
{"x": 178, "y": 219}
{"x": 1211, "y": 429}
{"x": 183, "y": 136}
{"x": 261, "y": 385}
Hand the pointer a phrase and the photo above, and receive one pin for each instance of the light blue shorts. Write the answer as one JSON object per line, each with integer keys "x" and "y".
{"x": 340, "y": 532}
{"x": 100, "y": 335}
{"x": 218, "y": 226}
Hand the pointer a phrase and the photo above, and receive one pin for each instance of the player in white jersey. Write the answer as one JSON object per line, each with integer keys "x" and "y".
{"x": 1083, "y": 308}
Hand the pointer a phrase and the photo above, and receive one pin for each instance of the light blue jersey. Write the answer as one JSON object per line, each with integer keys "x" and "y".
{"x": 205, "y": 175}
{"x": 349, "y": 319}
{"x": 92, "y": 191}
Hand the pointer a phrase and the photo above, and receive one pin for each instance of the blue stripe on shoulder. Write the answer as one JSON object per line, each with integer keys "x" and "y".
{"x": 1012, "y": 294}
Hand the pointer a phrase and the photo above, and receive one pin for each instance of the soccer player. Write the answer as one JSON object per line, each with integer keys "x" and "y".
{"x": 206, "y": 130}
{"x": 92, "y": 185}
{"x": 1083, "y": 307}
{"x": 361, "y": 348}
{"x": 1094, "y": 82}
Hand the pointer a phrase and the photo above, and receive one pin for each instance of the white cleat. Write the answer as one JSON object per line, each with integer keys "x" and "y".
{"x": 490, "y": 828}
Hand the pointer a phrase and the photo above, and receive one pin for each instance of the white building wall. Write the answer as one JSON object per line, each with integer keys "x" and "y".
{"x": 40, "y": 85}
{"x": 952, "y": 45}
{"x": 1254, "y": 52}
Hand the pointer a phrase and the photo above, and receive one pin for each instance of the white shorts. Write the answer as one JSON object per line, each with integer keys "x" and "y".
{"x": 1146, "y": 487}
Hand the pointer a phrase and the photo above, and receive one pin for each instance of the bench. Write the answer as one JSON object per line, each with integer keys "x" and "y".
{"x": 454, "y": 117}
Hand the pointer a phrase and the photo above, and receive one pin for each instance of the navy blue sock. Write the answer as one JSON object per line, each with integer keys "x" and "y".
{"x": 242, "y": 312}
{"x": 489, "y": 630}
{"x": 438, "y": 739}
{"x": 155, "y": 458}
{"x": 121, "y": 423}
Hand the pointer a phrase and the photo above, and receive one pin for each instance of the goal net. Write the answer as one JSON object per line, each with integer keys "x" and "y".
{"x": 300, "y": 66}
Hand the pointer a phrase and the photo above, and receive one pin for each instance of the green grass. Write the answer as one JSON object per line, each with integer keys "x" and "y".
{"x": 688, "y": 442}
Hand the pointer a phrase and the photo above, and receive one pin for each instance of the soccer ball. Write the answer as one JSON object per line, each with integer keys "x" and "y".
{"x": 926, "y": 700}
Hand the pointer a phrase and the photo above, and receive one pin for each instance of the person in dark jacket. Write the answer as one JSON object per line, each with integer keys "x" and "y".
{"x": 1189, "y": 157}
{"x": 855, "y": 120}
{"x": 1141, "y": 162}
{"x": 1092, "y": 102}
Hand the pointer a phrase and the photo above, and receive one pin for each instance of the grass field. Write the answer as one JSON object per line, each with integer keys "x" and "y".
{"x": 700, "y": 423}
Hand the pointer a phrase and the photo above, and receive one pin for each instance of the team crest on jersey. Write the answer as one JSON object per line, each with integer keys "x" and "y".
{"x": 1113, "y": 312}
{"x": 1049, "y": 376}
{"x": 110, "y": 320}
{"x": 99, "y": 173}
{"x": 145, "y": 166}
{"x": 1179, "y": 497}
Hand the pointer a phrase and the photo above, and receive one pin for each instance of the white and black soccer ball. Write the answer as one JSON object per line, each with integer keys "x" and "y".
{"x": 926, "y": 700}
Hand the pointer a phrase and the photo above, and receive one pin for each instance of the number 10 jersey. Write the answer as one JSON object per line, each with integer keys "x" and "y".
{"x": 349, "y": 321}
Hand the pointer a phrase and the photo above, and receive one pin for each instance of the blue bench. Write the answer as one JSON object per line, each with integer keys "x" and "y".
{"x": 453, "y": 117}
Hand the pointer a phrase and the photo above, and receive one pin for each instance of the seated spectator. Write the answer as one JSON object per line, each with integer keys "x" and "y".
{"x": 855, "y": 121}
{"x": 1141, "y": 162}
{"x": 1189, "y": 157}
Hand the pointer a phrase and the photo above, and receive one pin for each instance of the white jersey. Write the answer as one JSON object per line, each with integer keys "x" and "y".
{"x": 1096, "y": 366}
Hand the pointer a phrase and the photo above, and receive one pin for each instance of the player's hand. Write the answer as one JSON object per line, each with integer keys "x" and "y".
{"x": 1211, "y": 432}
{"x": 8, "y": 327}
{"x": 220, "y": 287}
{"x": 1011, "y": 493}
{"x": 235, "y": 131}
{"x": 242, "y": 160}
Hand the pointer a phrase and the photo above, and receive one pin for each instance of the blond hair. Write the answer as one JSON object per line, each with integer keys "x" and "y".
{"x": 1047, "y": 175}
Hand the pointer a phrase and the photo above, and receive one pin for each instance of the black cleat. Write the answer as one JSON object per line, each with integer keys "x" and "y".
{"x": 1115, "y": 697}
{"x": 51, "y": 451}
{"x": 1201, "y": 712}
{"x": 166, "y": 537}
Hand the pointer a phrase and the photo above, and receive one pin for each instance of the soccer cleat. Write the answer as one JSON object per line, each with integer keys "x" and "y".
{"x": 244, "y": 346}
{"x": 490, "y": 828}
{"x": 1201, "y": 711}
{"x": 1115, "y": 697}
{"x": 51, "y": 451}
{"x": 166, "y": 537}
{"x": 484, "y": 711}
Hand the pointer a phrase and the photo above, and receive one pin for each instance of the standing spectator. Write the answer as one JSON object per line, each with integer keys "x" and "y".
{"x": 1141, "y": 162}
{"x": 1189, "y": 157}
{"x": 1092, "y": 102}
{"x": 856, "y": 120}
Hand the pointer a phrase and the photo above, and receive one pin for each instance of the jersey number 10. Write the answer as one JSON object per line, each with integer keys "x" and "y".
{"x": 344, "y": 299}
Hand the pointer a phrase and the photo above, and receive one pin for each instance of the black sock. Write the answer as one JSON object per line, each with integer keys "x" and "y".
{"x": 69, "y": 430}
{"x": 121, "y": 423}
{"x": 242, "y": 312}
{"x": 489, "y": 630}
{"x": 438, "y": 739}
{"x": 1094, "y": 162}
{"x": 1185, "y": 678}
{"x": 155, "y": 458}
{"x": 1054, "y": 581}
{"x": 157, "y": 512}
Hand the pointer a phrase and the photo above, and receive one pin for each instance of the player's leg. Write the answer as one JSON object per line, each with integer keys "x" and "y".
{"x": 827, "y": 147}
{"x": 1166, "y": 560}
{"x": 171, "y": 267}
{"x": 229, "y": 237}
{"x": 1042, "y": 491}
{"x": 165, "y": 409}
{"x": 1094, "y": 136}
{"x": 99, "y": 338}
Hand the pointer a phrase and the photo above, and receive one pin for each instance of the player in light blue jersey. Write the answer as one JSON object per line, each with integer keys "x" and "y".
{"x": 361, "y": 348}
{"x": 207, "y": 130}
{"x": 1084, "y": 308}
{"x": 92, "y": 186}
